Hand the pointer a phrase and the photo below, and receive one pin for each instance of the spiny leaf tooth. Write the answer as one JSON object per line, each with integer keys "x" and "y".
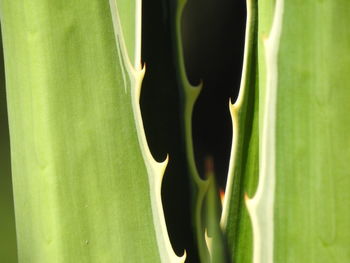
{"x": 234, "y": 110}
{"x": 139, "y": 75}
{"x": 192, "y": 93}
{"x": 182, "y": 259}
{"x": 234, "y": 117}
{"x": 209, "y": 242}
{"x": 194, "y": 89}
{"x": 160, "y": 168}
{"x": 249, "y": 201}
{"x": 261, "y": 206}
{"x": 203, "y": 185}
{"x": 142, "y": 70}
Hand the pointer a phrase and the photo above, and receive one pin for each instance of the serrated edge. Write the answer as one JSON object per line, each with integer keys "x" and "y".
{"x": 155, "y": 169}
{"x": 234, "y": 109}
{"x": 261, "y": 206}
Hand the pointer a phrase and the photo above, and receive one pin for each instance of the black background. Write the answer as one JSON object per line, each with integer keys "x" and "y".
{"x": 213, "y": 42}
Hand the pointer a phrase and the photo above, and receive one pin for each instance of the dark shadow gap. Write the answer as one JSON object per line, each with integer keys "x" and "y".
{"x": 213, "y": 39}
{"x": 213, "y": 36}
{"x": 161, "y": 117}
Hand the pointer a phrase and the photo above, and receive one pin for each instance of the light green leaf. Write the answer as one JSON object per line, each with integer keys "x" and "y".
{"x": 299, "y": 211}
{"x": 215, "y": 239}
{"x": 312, "y": 200}
{"x": 244, "y": 163}
{"x": 8, "y": 248}
{"x": 86, "y": 186}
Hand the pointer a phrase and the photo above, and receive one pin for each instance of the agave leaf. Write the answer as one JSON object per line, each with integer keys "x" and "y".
{"x": 189, "y": 95}
{"x": 86, "y": 186}
{"x": 312, "y": 148}
{"x": 215, "y": 239}
{"x": 243, "y": 170}
{"x": 129, "y": 13}
{"x": 164, "y": 127}
{"x": 188, "y": 92}
{"x": 299, "y": 212}
{"x": 8, "y": 248}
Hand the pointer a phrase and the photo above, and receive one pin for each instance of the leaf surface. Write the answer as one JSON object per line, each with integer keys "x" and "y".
{"x": 299, "y": 209}
{"x": 86, "y": 186}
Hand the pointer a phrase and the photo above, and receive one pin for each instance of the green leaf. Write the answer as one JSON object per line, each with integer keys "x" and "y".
{"x": 312, "y": 170}
{"x": 299, "y": 211}
{"x": 8, "y": 248}
{"x": 244, "y": 162}
{"x": 86, "y": 186}
{"x": 215, "y": 239}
